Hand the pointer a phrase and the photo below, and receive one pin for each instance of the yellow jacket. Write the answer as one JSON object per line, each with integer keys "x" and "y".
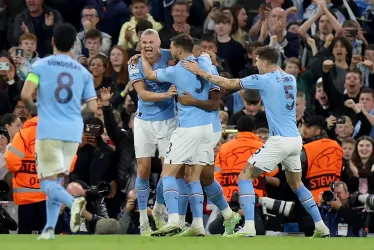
{"x": 132, "y": 24}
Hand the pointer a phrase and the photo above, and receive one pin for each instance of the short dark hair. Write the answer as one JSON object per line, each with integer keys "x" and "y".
{"x": 183, "y": 41}
{"x": 268, "y": 53}
{"x": 346, "y": 44}
{"x": 93, "y": 34}
{"x": 64, "y": 35}
{"x": 90, "y": 7}
{"x": 222, "y": 17}
{"x": 315, "y": 121}
{"x": 251, "y": 96}
{"x": 246, "y": 123}
{"x": 250, "y": 47}
{"x": 182, "y": 2}
{"x": 208, "y": 38}
{"x": 367, "y": 91}
{"x": 143, "y": 25}
{"x": 140, "y": 1}
{"x": 8, "y": 119}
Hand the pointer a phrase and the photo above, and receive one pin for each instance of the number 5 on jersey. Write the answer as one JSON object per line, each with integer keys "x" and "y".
{"x": 63, "y": 93}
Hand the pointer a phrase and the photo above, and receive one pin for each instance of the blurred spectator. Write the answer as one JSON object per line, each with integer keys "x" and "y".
{"x": 117, "y": 67}
{"x": 90, "y": 19}
{"x": 4, "y": 141}
{"x": 39, "y": 20}
{"x": 3, "y": 24}
{"x": 362, "y": 164}
{"x": 9, "y": 83}
{"x": 252, "y": 106}
{"x": 180, "y": 12}
{"x": 115, "y": 13}
{"x": 239, "y": 31}
{"x": 93, "y": 43}
{"x": 209, "y": 45}
{"x": 98, "y": 66}
{"x": 227, "y": 48}
{"x": 140, "y": 10}
{"x": 20, "y": 110}
{"x": 250, "y": 67}
{"x": 12, "y": 124}
{"x": 348, "y": 146}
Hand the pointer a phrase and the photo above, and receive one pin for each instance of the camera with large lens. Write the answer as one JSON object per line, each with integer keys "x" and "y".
{"x": 328, "y": 196}
{"x": 357, "y": 200}
{"x": 102, "y": 189}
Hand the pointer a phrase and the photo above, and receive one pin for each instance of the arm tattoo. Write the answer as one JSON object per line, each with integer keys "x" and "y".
{"x": 255, "y": 172}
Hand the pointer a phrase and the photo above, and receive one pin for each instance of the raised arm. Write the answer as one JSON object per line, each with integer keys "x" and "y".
{"x": 30, "y": 86}
{"x": 220, "y": 81}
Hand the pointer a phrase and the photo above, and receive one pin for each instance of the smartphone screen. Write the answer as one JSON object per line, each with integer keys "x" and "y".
{"x": 4, "y": 66}
{"x": 216, "y": 4}
{"x": 19, "y": 52}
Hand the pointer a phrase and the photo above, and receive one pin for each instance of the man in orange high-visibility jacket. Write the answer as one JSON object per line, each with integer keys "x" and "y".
{"x": 233, "y": 157}
{"x": 20, "y": 160}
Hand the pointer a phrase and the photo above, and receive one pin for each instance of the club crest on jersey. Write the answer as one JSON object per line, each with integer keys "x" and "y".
{"x": 133, "y": 69}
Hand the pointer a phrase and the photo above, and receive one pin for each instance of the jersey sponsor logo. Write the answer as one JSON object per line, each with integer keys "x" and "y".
{"x": 254, "y": 77}
{"x": 321, "y": 181}
{"x": 133, "y": 69}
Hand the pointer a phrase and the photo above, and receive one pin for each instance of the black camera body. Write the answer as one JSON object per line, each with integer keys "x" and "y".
{"x": 102, "y": 189}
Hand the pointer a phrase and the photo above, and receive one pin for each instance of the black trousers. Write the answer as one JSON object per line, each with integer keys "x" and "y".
{"x": 31, "y": 217}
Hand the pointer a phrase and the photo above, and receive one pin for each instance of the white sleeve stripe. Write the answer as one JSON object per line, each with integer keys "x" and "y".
{"x": 91, "y": 98}
{"x": 213, "y": 89}
{"x": 137, "y": 80}
{"x": 241, "y": 83}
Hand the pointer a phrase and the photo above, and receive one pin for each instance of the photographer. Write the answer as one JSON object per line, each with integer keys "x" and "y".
{"x": 129, "y": 216}
{"x": 336, "y": 211}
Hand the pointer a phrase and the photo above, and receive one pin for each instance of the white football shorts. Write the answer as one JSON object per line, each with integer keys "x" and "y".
{"x": 279, "y": 149}
{"x": 152, "y": 135}
{"x": 54, "y": 157}
{"x": 191, "y": 146}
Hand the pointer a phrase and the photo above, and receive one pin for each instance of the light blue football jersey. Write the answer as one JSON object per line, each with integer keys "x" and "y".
{"x": 63, "y": 83}
{"x": 153, "y": 111}
{"x": 278, "y": 93}
{"x": 216, "y": 121}
{"x": 185, "y": 81}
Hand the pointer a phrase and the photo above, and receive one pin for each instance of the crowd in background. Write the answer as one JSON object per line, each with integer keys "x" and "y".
{"x": 328, "y": 45}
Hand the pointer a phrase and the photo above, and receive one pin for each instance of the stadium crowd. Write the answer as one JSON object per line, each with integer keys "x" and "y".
{"x": 327, "y": 45}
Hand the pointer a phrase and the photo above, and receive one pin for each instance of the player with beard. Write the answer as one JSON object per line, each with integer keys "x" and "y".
{"x": 154, "y": 122}
{"x": 278, "y": 92}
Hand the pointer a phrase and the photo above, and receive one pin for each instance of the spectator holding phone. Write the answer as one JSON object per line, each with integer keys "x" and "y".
{"x": 9, "y": 83}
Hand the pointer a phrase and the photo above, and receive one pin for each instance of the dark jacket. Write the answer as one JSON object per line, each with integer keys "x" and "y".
{"x": 26, "y": 18}
{"x": 125, "y": 150}
{"x": 344, "y": 215}
{"x": 291, "y": 45}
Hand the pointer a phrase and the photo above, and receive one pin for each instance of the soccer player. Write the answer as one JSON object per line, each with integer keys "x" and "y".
{"x": 190, "y": 141}
{"x": 278, "y": 92}
{"x": 154, "y": 122}
{"x": 61, "y": 84}
{"x": 209, "y": 184}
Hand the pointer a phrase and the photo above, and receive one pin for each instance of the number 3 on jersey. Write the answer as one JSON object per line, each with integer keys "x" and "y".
{"x": 289, "y": 96}
{"x": 63, "y": 93}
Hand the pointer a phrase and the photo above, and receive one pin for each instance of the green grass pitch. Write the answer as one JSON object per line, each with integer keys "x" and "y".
{"x": 122, "y": 242}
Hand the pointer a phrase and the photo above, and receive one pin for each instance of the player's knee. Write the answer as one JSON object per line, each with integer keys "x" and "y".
{"x": 207, "y": 176}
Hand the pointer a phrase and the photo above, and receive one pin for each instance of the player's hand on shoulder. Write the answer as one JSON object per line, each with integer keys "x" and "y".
{"x": 191, "y": 66}
{"x": 327, "y": 65}
{"x": 186, "y": 99}
{"x": 172, "y": 91}
{"x": 134, "y": 60}
{"x": 105, "y": 94}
